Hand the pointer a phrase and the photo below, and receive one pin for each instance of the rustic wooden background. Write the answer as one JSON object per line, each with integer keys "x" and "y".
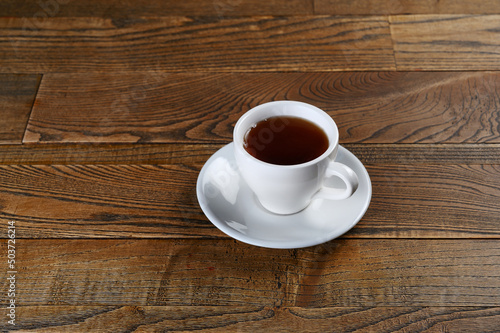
{"x": 108, "y": 110}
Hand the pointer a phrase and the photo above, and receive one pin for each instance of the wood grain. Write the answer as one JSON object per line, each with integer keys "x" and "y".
{"x": 133, "y": 154}
{"x": 153, "y": 8}
{"x": 350, "y": 273}
{"x": 135, "y": 97}
{"x": 368, "y": 107}
{"x": 435, "y": 154}
{"x": 17, "y": 93}
{"x": 446, "y": 42}
{"x": 144, "y": 201}
{"x": 103, "y": 201}
{"x": 257, "y": 43}
{"x": 198, "y": 154}
{"x": 128, "y": 8}
{"x": 442, "y": 200}
{"x": 373, "y": 7}
{"x": 261, "y": 43}
{"x": 257, "y": 319}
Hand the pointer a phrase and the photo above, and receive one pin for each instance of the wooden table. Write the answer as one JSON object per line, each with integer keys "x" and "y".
{"x": 109, "y": 109}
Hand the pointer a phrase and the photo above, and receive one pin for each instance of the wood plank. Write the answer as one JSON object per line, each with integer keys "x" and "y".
{"x": 433, "y": 201}
{"x": 151, "y": 8}
{"x": 145, "y": 8}
{"x": 374, "y": 7}
{"x": 103, "y": 201}
{"x": 256, "y": 319}
{"x": 261, "y": 43}
{"x": 357, "y": 273}
{"x": 133, "y": 154}
{"x": 435, "y": 154}
{"x": 368, "y": 107}
{"x": 446, "y": 42}
{"x": 17, "y": 93}
{"x": 144, "y": 201}
{"x": 198, "y": 154}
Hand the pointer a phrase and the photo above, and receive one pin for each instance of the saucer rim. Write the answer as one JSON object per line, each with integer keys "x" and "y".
{"x": 222, "y": 226}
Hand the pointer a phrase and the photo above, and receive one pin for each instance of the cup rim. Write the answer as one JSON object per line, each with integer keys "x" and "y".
{"x": 332, "y": 142}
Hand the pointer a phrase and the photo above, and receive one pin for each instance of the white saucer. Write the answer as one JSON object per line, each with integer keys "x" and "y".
{"x": 231, "y": 206}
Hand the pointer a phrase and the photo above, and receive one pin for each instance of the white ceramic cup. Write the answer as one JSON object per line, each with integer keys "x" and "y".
{"x": 288, "y": 189}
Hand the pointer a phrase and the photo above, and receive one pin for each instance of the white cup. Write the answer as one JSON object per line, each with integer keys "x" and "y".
{"x": 288, "y": 189}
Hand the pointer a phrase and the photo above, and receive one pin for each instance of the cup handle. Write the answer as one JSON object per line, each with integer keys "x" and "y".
{"x": 346, "y": 174}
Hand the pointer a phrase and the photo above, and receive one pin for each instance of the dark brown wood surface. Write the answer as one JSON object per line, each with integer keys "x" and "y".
{"x": 17, "y": 94}
{"x": 73, "y": 201}
{"x": 109, "y": 109}
{"x": 154, "y": 8}
{"x": 368, "y": 107}
{"x": 441, "y": 42}
{"x": 259, "y": 43}
{"x": 351, "y": 273}
{"x": 239, "y": 8}
{"x": 258, "y": 319}
{"x": 369, "y": 7}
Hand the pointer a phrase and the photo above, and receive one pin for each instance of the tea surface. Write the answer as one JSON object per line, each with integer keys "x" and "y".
{"x": 285, "y": 140}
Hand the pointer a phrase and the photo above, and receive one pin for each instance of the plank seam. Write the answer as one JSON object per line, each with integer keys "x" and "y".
{"x": 32, "y": 106}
